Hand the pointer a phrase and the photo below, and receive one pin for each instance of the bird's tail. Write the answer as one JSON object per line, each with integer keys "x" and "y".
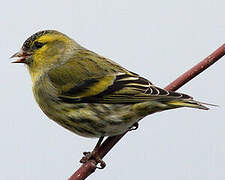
{"x": 189, "y": 103}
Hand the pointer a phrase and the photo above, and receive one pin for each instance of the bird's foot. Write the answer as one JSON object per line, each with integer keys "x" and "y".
{"x": 93, "y": 156}
{"x": 134, "y": 127}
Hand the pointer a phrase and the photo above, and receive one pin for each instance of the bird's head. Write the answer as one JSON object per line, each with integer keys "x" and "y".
{"x": 45, "y": 49}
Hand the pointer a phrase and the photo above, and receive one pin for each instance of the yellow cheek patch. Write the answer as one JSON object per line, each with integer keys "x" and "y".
{"x": 47, "y": 39}
{"x": 40, "y": 53}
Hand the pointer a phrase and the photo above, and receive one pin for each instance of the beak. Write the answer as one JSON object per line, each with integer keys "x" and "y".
{"x": 21, "y": 55}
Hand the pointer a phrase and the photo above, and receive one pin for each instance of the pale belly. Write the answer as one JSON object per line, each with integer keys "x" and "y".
{"x": 93, "y": 120}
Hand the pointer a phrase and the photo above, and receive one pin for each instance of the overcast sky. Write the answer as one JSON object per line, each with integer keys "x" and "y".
{"x": 156, "y": 39}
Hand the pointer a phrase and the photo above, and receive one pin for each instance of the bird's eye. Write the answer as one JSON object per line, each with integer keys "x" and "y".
{"x": 38, "y": 45}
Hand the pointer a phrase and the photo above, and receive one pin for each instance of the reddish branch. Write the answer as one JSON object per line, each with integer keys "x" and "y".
{"x": 89, "y": 167}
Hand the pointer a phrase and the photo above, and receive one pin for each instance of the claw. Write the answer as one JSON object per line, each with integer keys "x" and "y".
{"x": 134, "y": 127}
{"x": 101, "y": 162}
{"x": 87, "y": 156}
{"x": 92, "y": 155}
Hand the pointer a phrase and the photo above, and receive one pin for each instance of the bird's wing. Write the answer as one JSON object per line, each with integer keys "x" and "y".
{"x": 127, "y": 88}
{"x": 79, "y": 84}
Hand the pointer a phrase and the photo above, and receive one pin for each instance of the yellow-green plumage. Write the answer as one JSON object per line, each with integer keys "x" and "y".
{"x": 88, "y": 94}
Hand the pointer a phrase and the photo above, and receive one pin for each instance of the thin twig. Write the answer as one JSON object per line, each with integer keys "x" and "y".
{"x": 89, "y": 167}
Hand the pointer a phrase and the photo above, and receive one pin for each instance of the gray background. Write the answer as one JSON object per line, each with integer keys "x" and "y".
{"x": 157, "y": 39}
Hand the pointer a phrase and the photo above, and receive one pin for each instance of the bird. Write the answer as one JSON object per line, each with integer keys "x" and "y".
{"x": 88, "y": 94}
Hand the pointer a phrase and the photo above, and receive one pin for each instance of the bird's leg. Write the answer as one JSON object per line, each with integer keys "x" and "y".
{"x": 94, "y": 155}
{"x": 134, "y": 127}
